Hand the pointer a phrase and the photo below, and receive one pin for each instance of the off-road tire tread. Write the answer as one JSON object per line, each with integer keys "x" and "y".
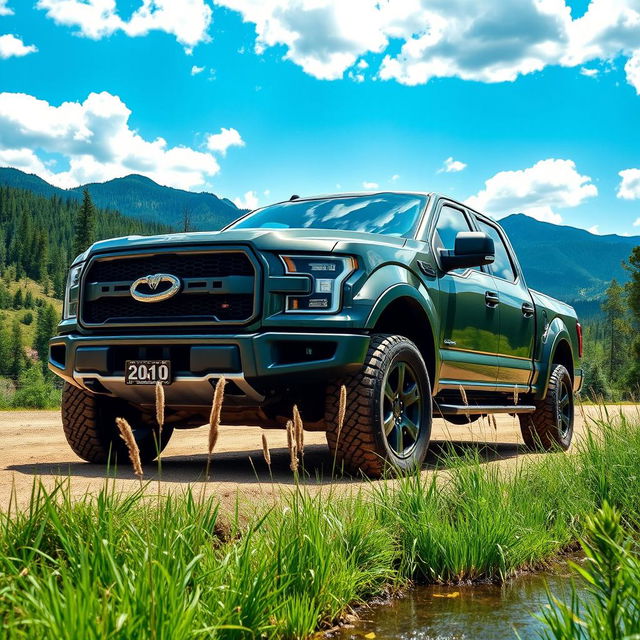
{"x": 539, "y": 429}
{"x": 93, "y": 439}
{"x": 80, "y": 425}
{"x": 355, "y": 448}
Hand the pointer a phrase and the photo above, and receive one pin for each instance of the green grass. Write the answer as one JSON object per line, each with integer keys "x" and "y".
{"x": 142, "y": 566}
{"x": 608, "y": 605}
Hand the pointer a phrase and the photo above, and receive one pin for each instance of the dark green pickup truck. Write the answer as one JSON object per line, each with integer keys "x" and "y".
{"x": 413, "y": 301}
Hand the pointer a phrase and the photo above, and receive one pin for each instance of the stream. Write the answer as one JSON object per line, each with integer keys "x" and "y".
{"x": 470, "y": 612}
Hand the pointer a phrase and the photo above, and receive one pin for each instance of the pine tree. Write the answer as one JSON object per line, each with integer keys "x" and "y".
{"x": 633, "y": 286}
{"x": 17, "y": 357}
{"x": 86, "y": 224}
{"x": 18, "y": 299}
{"x": 618, "y": 330}
{"x": 46, "y": 325}
{"x": 5, "y": 347}
{"x": 28, "y": 300}
{"x": 633, "y": 298}
{"x": 41, "y": 271}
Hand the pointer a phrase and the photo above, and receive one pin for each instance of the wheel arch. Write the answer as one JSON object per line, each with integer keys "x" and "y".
{"x": 402, "y": 310}
{"x": 556, "y": 350}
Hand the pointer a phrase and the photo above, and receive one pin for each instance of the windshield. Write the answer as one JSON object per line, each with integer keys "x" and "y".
{"x": 393, "y": 214}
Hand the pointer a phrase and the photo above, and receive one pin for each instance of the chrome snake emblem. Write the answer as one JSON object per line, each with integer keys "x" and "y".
{"x": 153, "y": 281}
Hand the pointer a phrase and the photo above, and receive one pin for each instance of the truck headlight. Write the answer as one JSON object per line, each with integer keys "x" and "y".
{"x": 327, "y": 274}
{"x": 70, "y": 309}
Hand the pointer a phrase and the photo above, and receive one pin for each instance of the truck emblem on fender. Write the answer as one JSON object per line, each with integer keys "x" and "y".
{"x": 153, "y": 281}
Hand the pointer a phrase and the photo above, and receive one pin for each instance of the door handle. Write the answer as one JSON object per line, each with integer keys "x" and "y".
{"x": 528, "y": 309}
{"x": 491, "y": 299}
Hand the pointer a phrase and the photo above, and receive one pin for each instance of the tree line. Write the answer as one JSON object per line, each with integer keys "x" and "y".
{"x": 612, "y": 343}
{"x": 40, "y": 236}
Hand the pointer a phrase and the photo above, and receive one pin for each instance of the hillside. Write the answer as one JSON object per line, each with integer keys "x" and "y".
{"x": 37, "y": 234}
{"x": 566, "y": 262}
{"x": 138, "y": 197}
{"x": 37, "y": 291}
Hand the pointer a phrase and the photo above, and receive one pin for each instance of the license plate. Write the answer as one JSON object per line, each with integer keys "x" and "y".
{"x": 147, "y": 371}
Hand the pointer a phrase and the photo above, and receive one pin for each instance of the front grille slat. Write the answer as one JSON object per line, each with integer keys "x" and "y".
{"x": 186, "y": 307}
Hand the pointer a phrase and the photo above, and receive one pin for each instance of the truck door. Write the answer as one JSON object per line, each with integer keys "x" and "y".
{"x": 470, "y": 318}
{"x": 517, "y": 313}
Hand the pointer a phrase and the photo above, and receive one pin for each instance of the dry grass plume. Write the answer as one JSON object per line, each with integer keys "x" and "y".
{"x": 160, "y": 405}
{"x": 293, "y": 447}
{"x": 216, "y": 409}
{"x": 126, "y": 433}
{"x": 298, "y": 430}
{"x": 265, "y": 450}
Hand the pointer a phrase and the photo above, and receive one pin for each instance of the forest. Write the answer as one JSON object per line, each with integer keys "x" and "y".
{"x": 39, "y": 237}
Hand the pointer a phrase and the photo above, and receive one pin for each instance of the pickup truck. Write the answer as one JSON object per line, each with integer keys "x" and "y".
{"x": 413, "y": 301}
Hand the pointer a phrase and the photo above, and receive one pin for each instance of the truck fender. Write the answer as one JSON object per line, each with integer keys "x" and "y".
{"x": 394, "y": 282}
{"x": 555, "y": 332}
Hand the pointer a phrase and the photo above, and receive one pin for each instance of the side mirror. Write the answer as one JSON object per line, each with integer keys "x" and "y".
{"x": 472, "y": 249}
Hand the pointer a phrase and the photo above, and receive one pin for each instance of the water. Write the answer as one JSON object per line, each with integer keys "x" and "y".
{"x": 475, "y": 612}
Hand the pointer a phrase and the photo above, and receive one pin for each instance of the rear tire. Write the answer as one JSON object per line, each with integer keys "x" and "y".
{"x": 550, "y": 427}
{"x": 387, "y": 424}
{"x": 89, "y": 425}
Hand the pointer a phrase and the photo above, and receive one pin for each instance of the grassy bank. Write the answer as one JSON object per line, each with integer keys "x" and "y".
{"x": 146, "y": 567}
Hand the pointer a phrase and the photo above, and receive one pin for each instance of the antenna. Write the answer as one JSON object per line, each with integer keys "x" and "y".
{"x": 294, "y": 197}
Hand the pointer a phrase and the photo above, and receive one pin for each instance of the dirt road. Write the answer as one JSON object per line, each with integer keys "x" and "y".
{"x": 33, "y": 446}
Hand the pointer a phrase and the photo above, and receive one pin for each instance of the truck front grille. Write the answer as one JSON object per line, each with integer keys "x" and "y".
{"x": 217, "y": 287}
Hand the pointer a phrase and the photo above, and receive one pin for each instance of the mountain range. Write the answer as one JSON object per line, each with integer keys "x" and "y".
{"x": 138, "y": 197}
{"x": 566, "y": 262}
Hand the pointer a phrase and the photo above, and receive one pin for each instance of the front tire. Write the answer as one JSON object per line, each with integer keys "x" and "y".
{"x": 89, "y": 425}
{"x": 387, "y": 424}
{"x": 550, "y": 427}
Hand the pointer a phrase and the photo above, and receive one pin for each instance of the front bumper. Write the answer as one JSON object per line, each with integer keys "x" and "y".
{"x": 257, "y": 364}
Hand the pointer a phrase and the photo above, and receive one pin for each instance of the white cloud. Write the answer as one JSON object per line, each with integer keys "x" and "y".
{"x": 452, "y": 166}
{"x": 479, "y": 40}
{"x": 11, "y": 45}
{"x": 629, "y": 187}
{"x": 95, "y": 139}
{"x": 590, "y": 73}
{"x": 4, "y": 9}
{"x": 324, "y": 37}
{"x": 637, "y": 222}
{"x": 632, "y": 69}
{"x": 595, "y": 229}
{"x": 187, "y": 20}
{"x": 537, "y": 191}
{"x": 394, "y": 177}
{"x": 248, "y": 201}
{"x": 370, "y": 185}
{"x": 195, "y": 70}
{"x": 25, "y": 160}
{"x": 220, "y": 142}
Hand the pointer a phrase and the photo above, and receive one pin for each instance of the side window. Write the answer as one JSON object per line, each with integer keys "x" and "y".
{"x": 502, "y": 267}
{"x": 450, "y": 222}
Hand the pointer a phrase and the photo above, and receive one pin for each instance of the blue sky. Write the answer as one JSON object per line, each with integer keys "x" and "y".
{"x": 536, "y": 106}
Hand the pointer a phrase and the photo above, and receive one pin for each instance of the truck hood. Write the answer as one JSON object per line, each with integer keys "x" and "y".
{"x": 261, "y": 239}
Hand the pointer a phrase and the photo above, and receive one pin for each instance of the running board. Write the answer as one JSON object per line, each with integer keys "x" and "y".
{"x": 464, "y": 409}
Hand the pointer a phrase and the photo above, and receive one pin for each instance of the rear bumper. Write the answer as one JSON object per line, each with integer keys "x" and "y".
{"x": 256, "y": 363}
